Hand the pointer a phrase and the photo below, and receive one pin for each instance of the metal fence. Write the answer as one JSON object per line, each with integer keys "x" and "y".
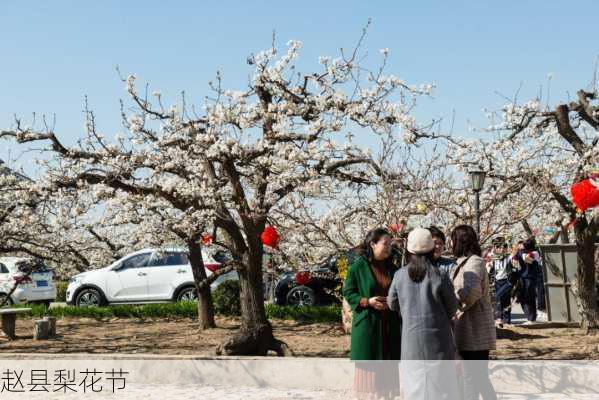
{"x": 559, "y": 271}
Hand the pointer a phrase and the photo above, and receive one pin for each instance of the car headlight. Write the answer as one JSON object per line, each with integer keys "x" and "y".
{"x": 74, "y": 279}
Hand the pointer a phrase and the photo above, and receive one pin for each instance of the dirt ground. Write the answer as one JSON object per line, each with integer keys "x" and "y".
{"x": 306, "y": 340}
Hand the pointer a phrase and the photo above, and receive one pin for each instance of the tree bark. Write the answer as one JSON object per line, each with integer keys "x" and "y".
{"x": 205, "y": 305}
{"x": 255, "y": 336}
{"x": 586, "y": 290}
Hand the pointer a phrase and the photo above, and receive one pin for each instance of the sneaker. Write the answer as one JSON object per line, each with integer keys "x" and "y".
{"x": 542, "y": 316}
{"x": 528, "y": 323}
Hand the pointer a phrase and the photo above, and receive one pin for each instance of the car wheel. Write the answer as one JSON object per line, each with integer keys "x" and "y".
{"x": 301, "y": 296}
{"x": 89, "y": 298}
{"x": 188, "y": 294}
{"x": 2, "y": 297}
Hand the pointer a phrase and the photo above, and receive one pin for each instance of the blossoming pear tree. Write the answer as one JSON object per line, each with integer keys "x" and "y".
{"x": 540, "y": 153}
{"x": 232, "y": 162}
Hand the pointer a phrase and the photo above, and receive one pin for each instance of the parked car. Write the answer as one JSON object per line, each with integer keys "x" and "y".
{"x": 38, "y": 287}
{"x": 310, "y": 286}
{"x": 146, "y": 276}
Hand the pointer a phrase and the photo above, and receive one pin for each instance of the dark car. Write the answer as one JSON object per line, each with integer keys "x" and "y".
{"x": 311, "y": 287}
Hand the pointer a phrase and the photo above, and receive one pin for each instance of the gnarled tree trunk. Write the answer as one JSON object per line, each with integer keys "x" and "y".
{"x": 585, "y": 274}
{"x": 255, "y": 336}
{"x": 205, "y": 306}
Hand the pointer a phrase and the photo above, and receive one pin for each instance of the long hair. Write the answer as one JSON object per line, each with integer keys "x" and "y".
{"x": 418, "y": 265}
{"x": 530, "y": 244}
{"x": 365, "y": 250}
{"x": 464, "y": 242}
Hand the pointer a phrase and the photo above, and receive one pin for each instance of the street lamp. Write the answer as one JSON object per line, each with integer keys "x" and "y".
{"x": 477, "y": 180}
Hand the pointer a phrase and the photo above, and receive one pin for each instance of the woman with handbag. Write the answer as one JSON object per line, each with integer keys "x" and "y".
{"x": 474, "y": 323}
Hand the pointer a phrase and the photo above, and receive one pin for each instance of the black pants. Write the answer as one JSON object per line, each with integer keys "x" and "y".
{"x": 528, "y": 298}
{"x": 476, "y": 376}
{"x": 503, "y": 301}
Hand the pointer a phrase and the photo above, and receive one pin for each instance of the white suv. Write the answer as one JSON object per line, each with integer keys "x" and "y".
{"x": 146, "y": 276}
{"x": 37, "y": 288}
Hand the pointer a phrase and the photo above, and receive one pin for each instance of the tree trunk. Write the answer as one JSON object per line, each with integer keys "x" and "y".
{"x": 255, "y": 336}
{"x": 586, "y": 289}
{"x": 205, "y": 306}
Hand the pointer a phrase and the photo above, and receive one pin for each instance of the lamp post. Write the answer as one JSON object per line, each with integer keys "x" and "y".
{"x": 477, "y": 180}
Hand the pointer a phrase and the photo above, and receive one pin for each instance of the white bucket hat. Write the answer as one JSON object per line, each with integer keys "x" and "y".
{"x": 420, "y": 241}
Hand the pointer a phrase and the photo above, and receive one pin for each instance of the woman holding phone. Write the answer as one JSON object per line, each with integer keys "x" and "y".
{"x": 376, "y": 331}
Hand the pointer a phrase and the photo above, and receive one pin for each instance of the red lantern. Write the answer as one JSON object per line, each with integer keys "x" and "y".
{"x": 270, "y": 237}
{"x": 207, "y": 239}
{"x": 585, "y": 194}
{"x": 303, "y": 277}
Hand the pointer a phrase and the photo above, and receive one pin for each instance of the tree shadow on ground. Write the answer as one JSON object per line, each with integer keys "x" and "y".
{"x": 503, "y": 333}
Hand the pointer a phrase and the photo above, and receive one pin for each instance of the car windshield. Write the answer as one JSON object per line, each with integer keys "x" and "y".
{"x": 26, "y": 267}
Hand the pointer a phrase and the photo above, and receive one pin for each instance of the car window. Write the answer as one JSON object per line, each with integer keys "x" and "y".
{"x": 136, "y": 261}
{"x": 3, "y": 269}
{"x": 163, "y": 259}
{"x": 221, "y": 256}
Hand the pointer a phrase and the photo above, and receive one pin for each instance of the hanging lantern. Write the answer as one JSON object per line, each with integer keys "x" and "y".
{"x": 585, "y": 194}
{"x": 207, "y": 239}
{"x": 395, "y": 228}
{"x": 303, "y": 277}
{"x": 270, "y": 237}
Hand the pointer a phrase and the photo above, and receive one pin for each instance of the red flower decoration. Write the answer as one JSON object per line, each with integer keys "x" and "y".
{"x": 585, "y": 194}
{"x": 270, "y": 237}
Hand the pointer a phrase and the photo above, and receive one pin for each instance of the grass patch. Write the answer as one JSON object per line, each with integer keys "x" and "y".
{"x": 304, "y": 314}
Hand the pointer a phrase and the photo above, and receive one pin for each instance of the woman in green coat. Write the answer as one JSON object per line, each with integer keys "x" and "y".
{"x": 376, "y": 331}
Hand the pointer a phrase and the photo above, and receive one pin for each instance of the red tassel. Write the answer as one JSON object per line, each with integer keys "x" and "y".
{"x": 270, "y": 237}
{"x": 585, "y": 194}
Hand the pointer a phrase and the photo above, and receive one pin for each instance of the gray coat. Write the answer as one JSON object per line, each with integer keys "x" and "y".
{"x": 426, "y": 309}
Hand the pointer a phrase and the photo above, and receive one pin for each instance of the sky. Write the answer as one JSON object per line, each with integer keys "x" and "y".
{"x": 54, "y": 53}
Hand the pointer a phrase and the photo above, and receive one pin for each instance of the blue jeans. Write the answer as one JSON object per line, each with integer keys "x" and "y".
{"x": 503, "y": 296}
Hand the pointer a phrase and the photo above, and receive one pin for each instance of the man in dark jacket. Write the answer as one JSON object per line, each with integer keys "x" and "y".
{"x": 528, "y": 262}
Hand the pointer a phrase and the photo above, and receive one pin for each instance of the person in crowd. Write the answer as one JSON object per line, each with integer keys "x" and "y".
{"x": 424, "y": 298}
{"x": 541, "y": 308}
{"x": 488, "y": 257}
{"x": 500, "y": 267}
{"x": 474, "y": 323}
{"x": 445, "y": 264}
{"x": 528, "y": 262}
{"x": 376, "y": 331}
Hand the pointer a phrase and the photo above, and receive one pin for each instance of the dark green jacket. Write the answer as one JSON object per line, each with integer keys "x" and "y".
{"x": 367, "y": 329}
